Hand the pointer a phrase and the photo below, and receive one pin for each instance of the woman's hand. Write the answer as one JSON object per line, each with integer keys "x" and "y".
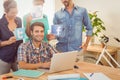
{"x": 12, "y": 40}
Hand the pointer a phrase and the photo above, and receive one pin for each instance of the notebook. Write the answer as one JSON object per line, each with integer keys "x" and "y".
{"x": 28, "y": 73}
{"x": 96, "y": 76}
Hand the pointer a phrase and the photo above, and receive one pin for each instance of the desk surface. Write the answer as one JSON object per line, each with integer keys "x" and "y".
{"x": 112, "y": 73}
{"x": 98, "y": 48}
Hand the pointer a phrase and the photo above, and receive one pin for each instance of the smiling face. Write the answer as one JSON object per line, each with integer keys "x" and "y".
{"x": 10, "y": 8}
{"x": 12, "y": 13}
{"x": 37, "y": 33}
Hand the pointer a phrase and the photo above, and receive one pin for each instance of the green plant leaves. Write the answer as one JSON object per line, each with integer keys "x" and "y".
{"x": 97, "y": 23}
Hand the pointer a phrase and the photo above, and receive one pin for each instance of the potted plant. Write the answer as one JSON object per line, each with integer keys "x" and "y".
{"x": 97, "y": 24}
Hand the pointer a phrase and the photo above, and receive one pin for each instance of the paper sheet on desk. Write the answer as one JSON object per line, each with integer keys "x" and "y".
{"x": 96, "y": 76}
{"x": 74, "y": 79}
{"x": 66, "y": 77}
{"x": 28, "y": 73}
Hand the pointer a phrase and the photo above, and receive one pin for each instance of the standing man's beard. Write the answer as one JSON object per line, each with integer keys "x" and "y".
{"x": 66, "y": 3}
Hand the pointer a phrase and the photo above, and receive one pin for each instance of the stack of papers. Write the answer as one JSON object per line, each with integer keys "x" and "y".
{"x": 96, "y": 76}
{"x": 66, "y": 77}
{"x": 74, "y": 79}
{"x": 28, "y": 73}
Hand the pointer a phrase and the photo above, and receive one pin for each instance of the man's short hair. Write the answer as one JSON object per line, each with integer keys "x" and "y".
{"x": 36, "y": 24}
{"x": 9, "y": 4}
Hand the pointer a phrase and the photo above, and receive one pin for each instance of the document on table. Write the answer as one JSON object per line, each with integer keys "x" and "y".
{"x": 28, "y": 73}
{"x": 96, "y": 76}
{"x": 66, "y": 77}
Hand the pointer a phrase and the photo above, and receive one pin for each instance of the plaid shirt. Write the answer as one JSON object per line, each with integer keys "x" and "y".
{"x": 28, "y": 53}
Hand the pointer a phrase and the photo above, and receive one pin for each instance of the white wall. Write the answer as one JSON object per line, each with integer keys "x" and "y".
{"x": 1, "y": 8}
{"x": 108, "y": 11}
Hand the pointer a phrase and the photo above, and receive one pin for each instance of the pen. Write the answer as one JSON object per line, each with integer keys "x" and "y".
{"x": 91, "y": 74}
{"x": 7, "y": 77}
{"x": 76, "y": 67}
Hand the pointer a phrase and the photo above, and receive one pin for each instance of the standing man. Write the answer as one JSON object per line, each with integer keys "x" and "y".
{"x": 71, "y": 18}
{"x": 35, "y": 53}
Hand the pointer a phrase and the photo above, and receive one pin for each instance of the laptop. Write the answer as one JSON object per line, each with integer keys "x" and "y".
{"x": 62, "y": 61}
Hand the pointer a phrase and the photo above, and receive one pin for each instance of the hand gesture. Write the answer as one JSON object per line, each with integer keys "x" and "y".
{"x": 12, "y": 40}
{"x": 51, "y": 37}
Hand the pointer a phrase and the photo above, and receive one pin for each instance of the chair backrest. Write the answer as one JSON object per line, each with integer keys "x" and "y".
{"x": 103, "y": 55}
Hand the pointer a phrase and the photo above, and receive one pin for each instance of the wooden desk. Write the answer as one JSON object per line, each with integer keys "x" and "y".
{"x": 96, "y": 49}
{"x": 112, "y": 73}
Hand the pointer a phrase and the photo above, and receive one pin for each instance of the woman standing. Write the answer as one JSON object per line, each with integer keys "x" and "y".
{"x": 8, "y": 43}
{"x": 36, "y": 15}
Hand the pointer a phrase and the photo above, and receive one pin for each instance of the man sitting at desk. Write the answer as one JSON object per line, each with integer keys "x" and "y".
{"x": 35, "y": 53}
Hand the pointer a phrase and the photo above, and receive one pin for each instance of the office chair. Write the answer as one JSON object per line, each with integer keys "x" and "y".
{"x": 104, "y": 51}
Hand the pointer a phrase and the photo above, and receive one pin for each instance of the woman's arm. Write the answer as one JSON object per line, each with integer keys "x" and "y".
{"x": 8, "y": 42}
{"x": 28, "y": 21}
